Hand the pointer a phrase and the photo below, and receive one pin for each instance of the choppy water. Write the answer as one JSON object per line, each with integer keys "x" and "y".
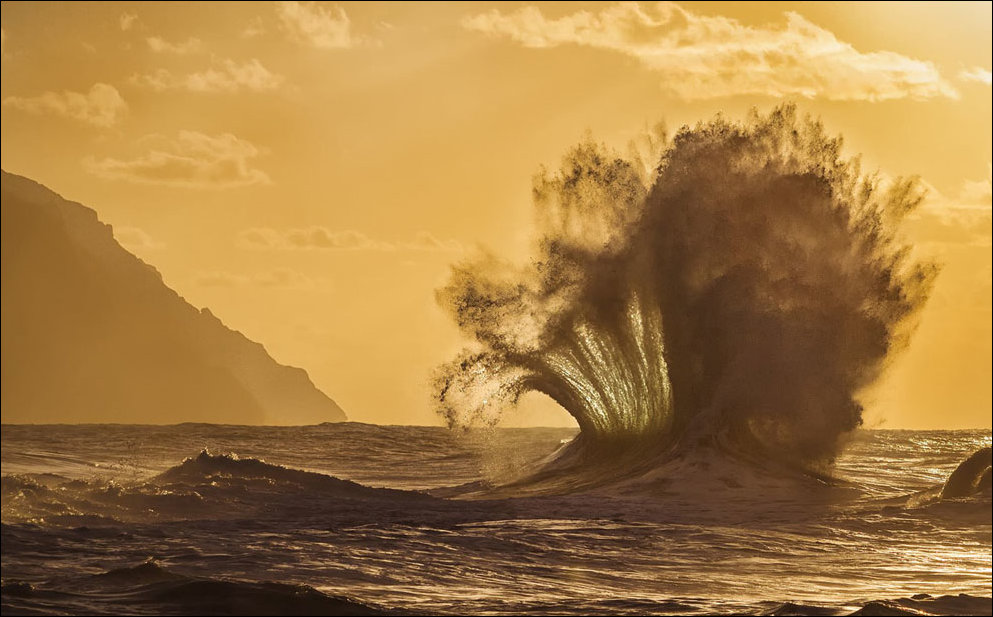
{"x": 109, "y": 519}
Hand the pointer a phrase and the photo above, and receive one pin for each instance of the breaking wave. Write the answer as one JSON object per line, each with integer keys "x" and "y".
{"x": 737, "y": 291}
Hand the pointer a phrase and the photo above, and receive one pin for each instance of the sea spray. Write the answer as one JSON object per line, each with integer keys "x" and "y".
{"x": 740, "y": 293}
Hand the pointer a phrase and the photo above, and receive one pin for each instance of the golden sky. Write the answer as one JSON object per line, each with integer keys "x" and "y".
{"x": 309, "y": 171}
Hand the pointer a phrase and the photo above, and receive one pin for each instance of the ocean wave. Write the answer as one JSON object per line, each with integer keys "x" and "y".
{"x": 151, "y": 588}
{"x": 703, "y": 533}
{"x": 229, "y": 468}
{"x": 736, "y": 289}
{"x": 919, "y": 604}
{"x": 971, "y": 477}
{"x": 924, "y": 604}
{"x": 966, "y": 495}
{"x": 205, "y": 486}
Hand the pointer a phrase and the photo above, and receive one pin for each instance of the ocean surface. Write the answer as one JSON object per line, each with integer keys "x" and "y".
{"x": 360, "y": 519}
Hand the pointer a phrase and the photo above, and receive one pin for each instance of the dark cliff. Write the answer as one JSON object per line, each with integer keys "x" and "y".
{"x": 92, "y": 334}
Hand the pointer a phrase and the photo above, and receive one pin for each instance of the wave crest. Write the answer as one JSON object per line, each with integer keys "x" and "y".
{"x": 741, "y": 293}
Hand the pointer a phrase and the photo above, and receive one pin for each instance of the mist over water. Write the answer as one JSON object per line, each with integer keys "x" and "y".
{"x": 739, "y": 290}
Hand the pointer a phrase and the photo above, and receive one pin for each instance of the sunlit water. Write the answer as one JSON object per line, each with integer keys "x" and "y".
{"x": 85, "y": 507}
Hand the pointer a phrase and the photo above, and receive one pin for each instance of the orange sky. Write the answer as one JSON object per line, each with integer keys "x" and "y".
{"x": 309, "y": 171}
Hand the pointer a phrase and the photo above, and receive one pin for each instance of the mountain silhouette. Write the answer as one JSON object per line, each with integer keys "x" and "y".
{"x": 91, "y": 333}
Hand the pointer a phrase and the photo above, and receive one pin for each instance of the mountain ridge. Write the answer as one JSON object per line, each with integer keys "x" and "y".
{"x": 91, "y": 333}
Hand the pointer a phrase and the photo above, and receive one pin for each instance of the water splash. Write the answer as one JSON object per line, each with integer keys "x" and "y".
{"x": 740, "y": 292}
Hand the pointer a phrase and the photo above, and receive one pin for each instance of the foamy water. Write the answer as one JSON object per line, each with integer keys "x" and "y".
{"x": 314, "y": 530}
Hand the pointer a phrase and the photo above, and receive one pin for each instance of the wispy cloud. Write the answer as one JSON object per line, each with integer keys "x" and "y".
{"x": 281, "y": 278}
{"x": 224, "y": 76}
{"x": 979, "y": 193}
{"x": 701, "y": 57}
{"x": 191, "y": 160}
{"x": 321, "y": 238}
{"x": 309, "y": 238}
{"x": 127, "y": 21}
{"x": 978, "y": 74}
{"x": 135, "y": 239}
{"x": 102, "y": 106}
{"x": 218, "y": 278}
{"x": 161, "y": 46}
{"x": 255, "y": 28}
{"x": 424, "y": 241}
{"x": 963, "y": 219}
{"x": 317, "y": 26}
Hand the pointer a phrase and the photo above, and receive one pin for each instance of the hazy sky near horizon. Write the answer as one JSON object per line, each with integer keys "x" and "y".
{"x": 309, "y": 171}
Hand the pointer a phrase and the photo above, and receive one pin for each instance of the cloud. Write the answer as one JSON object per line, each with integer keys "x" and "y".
{"x": 225, "y": 76}
{"x": 977, "y": 74}
{"x": 424, "y": 241}
{"x": 256, "y": 27}
{"x": 321, "y": 238}
{"x": 703, "y": 57}
{"x": 965, "y": 219}
{"x": 192, "y": 160}
{"x": 284, "y": 278}
{"x": 979, "y": 193}
{"x": 220, "y": 279}
{"x": 314, "y": 25}
{"x": 128, "y": 21}
{"x": 102, "y": 106}
{"x": 309, "y": 238}
{"x": 277, "y": 278}
{"x": 135, "y": 239}
{"x": 162, "y": 46}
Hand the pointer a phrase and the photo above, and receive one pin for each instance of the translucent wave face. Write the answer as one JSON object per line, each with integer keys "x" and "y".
{"x": 741, "y": 293}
